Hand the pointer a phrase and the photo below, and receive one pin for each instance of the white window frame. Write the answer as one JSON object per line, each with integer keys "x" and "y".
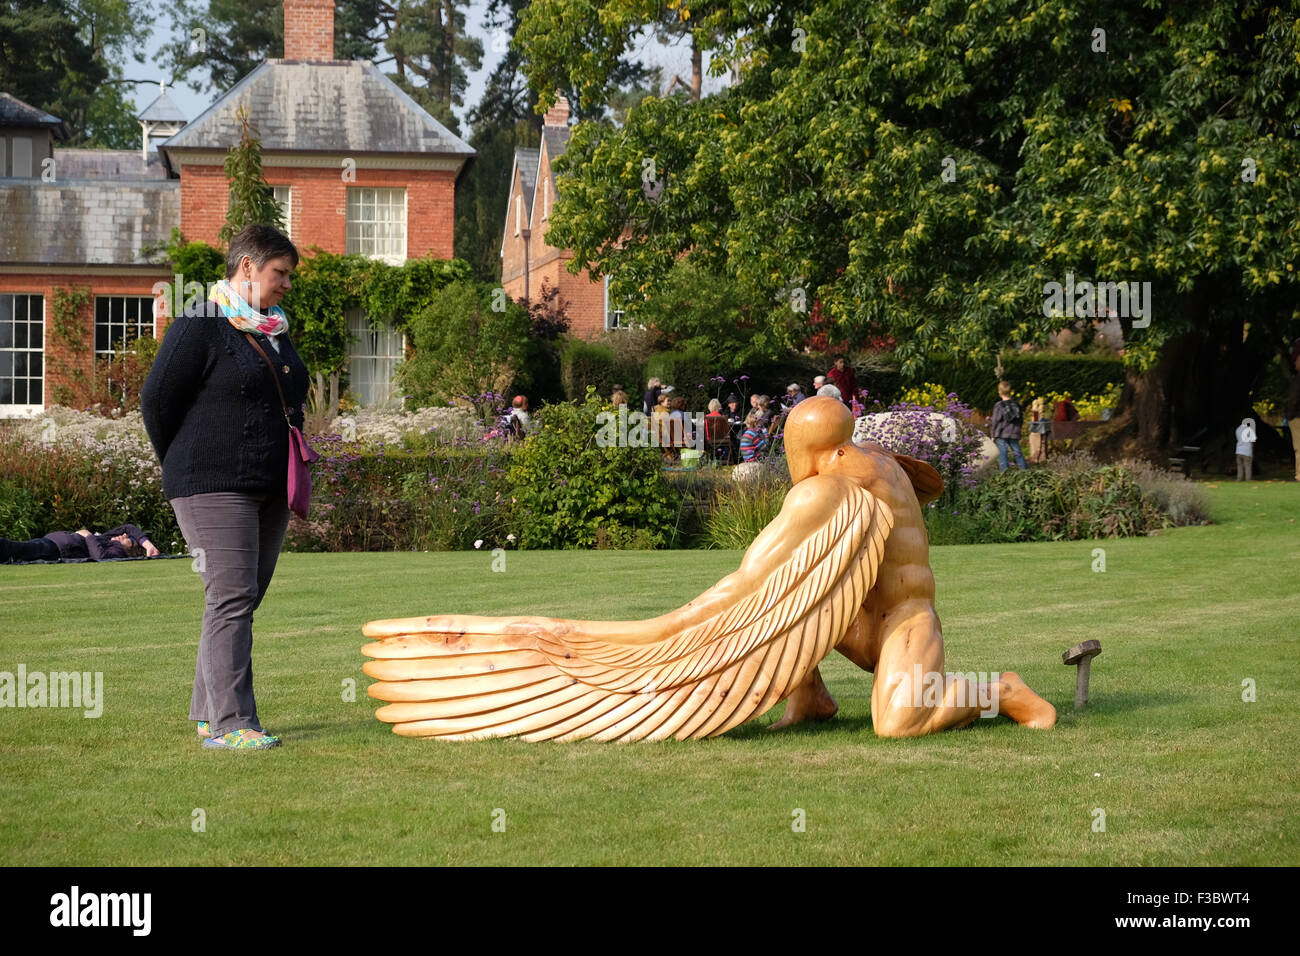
{"x": 283, "y": 195}
{"x": 616, "y": 324}
{"x": 357, "y": 243}
{"x": 28, "y": 409}
{"x": 546, "y": 198}
{"x": 519, "y": 213}
{"x": 152, "y": 324}
{"x": 362, "y": 340}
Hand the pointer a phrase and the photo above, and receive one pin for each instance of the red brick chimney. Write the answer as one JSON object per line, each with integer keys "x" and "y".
{"x": 557, "y": 115}
{"x": 309, "y": 29}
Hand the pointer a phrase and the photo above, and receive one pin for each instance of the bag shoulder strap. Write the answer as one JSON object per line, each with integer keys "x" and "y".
{"x": 275, "y": 378}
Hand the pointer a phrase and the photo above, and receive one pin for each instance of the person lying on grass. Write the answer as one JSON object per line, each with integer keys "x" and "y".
{"x": 124, "y": 541}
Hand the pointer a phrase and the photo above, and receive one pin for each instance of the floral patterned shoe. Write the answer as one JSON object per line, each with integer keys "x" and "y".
{"x": 240, "y": 740}
{"x": 203, "y": 729}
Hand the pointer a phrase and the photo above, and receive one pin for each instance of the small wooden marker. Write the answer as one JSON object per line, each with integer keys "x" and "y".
{"x": 1082, "y": 655}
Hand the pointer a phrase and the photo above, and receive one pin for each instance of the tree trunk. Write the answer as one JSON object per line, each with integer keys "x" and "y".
{"x": 1198, "y": 392}
{"x": 334, "y": 396}
{"x": 697, "y": 71}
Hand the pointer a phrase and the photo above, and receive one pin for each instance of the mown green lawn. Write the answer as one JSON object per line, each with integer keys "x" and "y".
{"x": 1185, "y": 770}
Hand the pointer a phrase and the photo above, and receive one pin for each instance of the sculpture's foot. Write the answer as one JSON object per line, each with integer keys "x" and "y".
{"x": 1022, "y": 705}
{"x": 809, "y": 701}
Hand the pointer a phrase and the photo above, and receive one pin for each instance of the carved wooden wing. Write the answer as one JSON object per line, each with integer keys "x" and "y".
{"x": 698, "y": 671}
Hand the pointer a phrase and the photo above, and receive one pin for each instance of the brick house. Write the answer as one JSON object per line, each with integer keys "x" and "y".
{"x": 356, "y": 164}
{"x": 527, "y": 260}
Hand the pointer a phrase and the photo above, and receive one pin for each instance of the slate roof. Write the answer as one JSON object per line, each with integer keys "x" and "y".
{"x": 556, "y": 139}
{"x": 84, "y": 223}
{"x": 162, "y": 110}
{"x": 526, "y": 159}
{"x": 339, "y": 106}
{"x": 14, "y": 112}
{"x": 112, "y": 164}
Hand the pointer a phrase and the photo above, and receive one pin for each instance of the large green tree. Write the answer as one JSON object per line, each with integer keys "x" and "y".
{"x": 67, "y": 57}
{"x": 926, "y": 170}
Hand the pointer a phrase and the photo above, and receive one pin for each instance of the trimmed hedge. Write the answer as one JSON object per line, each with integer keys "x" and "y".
{"x": 586, "y": 363}
{"x": 1049, "y": 371}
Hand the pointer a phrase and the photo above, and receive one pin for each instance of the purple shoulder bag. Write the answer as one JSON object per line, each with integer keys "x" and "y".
{"x": 300, "y": 453}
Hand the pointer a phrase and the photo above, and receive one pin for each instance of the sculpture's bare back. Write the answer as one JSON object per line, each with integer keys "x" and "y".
{"x": 844, "y": 566}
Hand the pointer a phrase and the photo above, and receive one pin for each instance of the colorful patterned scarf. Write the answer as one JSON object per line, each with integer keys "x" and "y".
{"x": 243, "y": 316}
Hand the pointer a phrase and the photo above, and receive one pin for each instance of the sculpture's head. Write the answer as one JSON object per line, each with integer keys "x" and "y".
{"x": 815, "y": 426}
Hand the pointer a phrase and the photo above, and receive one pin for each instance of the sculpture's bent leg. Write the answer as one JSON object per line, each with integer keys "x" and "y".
{"x": 913, "y": 696}
{"x": 809, "y": 701}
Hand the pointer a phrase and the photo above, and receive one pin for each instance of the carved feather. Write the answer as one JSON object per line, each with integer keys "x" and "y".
{"x": 721, "y": 659}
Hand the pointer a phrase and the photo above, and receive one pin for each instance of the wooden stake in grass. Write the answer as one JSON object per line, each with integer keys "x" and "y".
{"x": 1082, "y": 655}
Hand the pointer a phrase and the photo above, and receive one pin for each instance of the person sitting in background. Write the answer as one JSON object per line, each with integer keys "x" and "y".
{"x": 124, "y": 541}
{"x": 831, "y": 391}
{"x": 763, "y": 408}
{"x": 679, "y": 426}
{"x": 818, "y": 383}
{"x": 717, "y": 433}
{"x": 753, "y": 441}
{"x": 659, "y": 422}
{"x": 842, "y": 377}
{"x": 650, "y": 401}
{"x": 793, "y": 395}
{"x": 733, "y": 410}
{"x": 517, "y": 422}
{"x": 618, "y": 398}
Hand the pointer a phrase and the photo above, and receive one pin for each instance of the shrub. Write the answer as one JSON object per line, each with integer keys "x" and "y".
{"x": 1072, "y": 498}
{"x": 586, "y": 365}
{"x": 572, "y": 493}
{"x": 1052, "y": 371}
{"x": 741, "y": 509}
{"x": 464, "y": 347}
{"x": 443, "y": 495}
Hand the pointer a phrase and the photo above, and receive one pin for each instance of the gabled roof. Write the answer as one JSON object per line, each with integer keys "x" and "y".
{"x": 162, "y": 110}
{"x": 337, "y": 106}
{"x": 14, "y": 112}
{"x": 526, "y": 159}
{"x": 556, "y": 139}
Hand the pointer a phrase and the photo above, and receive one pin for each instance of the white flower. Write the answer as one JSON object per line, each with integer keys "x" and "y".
{"x": 478, "y": 543}
{"x": 510, "y": 537}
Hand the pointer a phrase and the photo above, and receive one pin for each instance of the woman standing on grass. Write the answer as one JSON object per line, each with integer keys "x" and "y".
{"x": 213, "y": 414}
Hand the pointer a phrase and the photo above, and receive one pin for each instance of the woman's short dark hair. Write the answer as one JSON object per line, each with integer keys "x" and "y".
{"x": 261, "y": 244}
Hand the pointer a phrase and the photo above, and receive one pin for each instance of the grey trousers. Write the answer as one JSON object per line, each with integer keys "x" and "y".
{"x": 235, "y": 539}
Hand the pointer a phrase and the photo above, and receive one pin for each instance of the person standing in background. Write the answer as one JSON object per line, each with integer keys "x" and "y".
{"x": 843, "y": 378}
{"x": 1245, "y": 448}
{"x": 1005, "y": 427}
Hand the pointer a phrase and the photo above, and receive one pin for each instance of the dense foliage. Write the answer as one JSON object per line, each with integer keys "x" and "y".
{"x": 572, "y": 492}
{"x": 464, "y": 345}
{"x": 927, "y": 172}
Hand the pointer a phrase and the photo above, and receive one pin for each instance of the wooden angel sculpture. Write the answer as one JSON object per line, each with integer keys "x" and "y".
{"x": 845, "y": 566}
